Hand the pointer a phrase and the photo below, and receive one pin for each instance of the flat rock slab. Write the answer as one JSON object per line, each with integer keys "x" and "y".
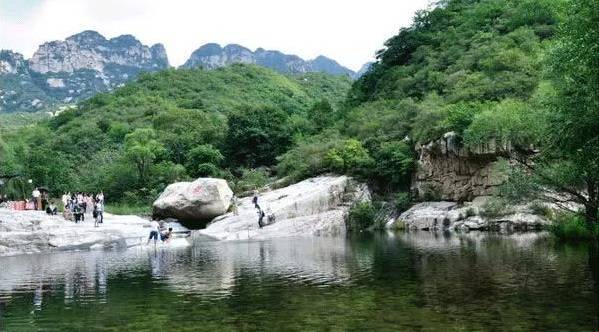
{"x": 34, "y": 231}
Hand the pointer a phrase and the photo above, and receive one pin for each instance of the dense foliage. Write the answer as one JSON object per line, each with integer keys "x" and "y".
{"x": 169, "y": 126}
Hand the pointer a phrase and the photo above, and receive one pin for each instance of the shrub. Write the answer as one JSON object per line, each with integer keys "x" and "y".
{"x": 540, "y": 209}
{"x": 568, "y": 226}
{"x": 494, "y": 208}
{"x": 403, "y": 201}
{"x": 252, "y": 179}
{"x": 361, "y": 216}
{"x": 351, "y": 158}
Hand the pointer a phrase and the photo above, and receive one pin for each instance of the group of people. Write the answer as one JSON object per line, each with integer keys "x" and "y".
{"x": 159, "y": 230}
{"x": 77, "y": 205}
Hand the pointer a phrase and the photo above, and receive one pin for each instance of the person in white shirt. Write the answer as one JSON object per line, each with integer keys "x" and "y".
{"x": 154, "y": 231}
{"x": 37, "y": 199}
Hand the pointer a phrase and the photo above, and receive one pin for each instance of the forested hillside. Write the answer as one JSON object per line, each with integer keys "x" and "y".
{"x": 171, "y": 125}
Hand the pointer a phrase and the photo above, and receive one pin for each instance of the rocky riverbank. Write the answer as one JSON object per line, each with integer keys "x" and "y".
{"x": 34, "y": 231}
{"x": 467, "y": 216}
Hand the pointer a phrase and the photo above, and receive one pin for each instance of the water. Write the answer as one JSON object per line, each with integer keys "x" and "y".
{"x": 419, "y": 281}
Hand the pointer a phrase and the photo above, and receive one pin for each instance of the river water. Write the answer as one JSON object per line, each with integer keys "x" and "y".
{"x": 418, "y": 281}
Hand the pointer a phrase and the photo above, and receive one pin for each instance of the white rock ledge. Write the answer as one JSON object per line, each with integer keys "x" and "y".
{"x": 24, "y": 232}
{"x": 313, "y": 207}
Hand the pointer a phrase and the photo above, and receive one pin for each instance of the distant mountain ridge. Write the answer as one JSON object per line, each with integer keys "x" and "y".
{"x": 212, "y": 55}
{"x": 76, "y": 68}
{"x": 67, "y": 71}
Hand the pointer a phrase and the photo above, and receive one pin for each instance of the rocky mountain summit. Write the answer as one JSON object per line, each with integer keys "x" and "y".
{"x": 211, "y": 56}
{"x": 76, "y": 68}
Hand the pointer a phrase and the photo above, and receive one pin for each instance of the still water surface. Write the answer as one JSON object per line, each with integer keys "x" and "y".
{"x": 418, "y": 281}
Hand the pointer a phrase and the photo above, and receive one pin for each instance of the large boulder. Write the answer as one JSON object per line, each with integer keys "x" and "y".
{"x": 200, "y": 200}
{"x": 313, "y": 207}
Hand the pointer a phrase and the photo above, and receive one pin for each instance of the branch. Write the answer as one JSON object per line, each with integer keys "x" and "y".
{"x": 560, "y": 187}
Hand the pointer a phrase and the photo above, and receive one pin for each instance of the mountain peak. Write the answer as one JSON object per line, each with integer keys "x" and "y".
{"x": 212, "y": 56}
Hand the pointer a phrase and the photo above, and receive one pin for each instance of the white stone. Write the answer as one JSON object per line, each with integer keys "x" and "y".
{"x": 316, "y": 206}
{"x": 35, "y": 231}
{"x": 202, "y": 199}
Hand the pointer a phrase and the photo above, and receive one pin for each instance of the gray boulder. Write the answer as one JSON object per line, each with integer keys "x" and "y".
{"x": 200, "y": 200}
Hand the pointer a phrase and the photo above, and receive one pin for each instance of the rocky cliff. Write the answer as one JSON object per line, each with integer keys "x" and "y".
{"x": 449, "y": 171}
{"x": 76, "y": 68}
{"x": 211, "y": 56}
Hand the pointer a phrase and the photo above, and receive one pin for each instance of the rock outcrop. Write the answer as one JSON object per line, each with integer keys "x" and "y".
{"x": 448, "y": 171}
{"x": 200, "y": 200}
{"x": 62, "y": 72}
{"x": 317, "y": 206}
{"x": 34, "y": 231}
{"x": 449, "y": 216}
{"x": 211, "y": 56}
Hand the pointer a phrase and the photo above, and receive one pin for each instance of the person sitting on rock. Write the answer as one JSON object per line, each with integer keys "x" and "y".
{"x": 51, "y": 209}
{"x": 166, "y": 236}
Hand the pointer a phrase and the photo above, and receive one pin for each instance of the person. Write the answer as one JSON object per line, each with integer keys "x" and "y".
{"x": 100, "y": 197}
{"x": 154, "y": 231}
{"x": 65, "y": 201}
{"x": 261, "y": 215}
{"x": 98, "y": 213}
{"x": 37, "y": 197}
{"x": 255, "y": 200}
{"x": 167, "y": 235}
{"x": 51, "y": 209}
{"x": 234, "y": 205}
{"x": 77, "y": 213}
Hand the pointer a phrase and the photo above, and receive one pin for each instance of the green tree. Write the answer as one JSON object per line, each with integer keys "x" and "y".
{"x": 257, "y": 135}
{"x": 572, "y": 157}
{"x": 204, "y": 160}
{"x": 142, "y": 149}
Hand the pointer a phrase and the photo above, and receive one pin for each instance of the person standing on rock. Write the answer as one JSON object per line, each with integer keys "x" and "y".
{"x": 154, "y": 231}
{"x": 37, "y": 199}
{"x": 98, "y": 213}
{"x": 261, "y": 215}
{"x": 234, "y": 203}
{"x": 255, "y": 200}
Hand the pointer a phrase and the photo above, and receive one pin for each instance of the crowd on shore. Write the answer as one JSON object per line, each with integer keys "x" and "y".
{"x": 78, "y": 204}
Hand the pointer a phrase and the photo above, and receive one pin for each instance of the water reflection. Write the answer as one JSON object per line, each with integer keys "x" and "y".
{"x": 471, "y": 281}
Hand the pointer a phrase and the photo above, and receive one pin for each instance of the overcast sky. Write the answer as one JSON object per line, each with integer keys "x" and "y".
{"x": 348, "y": 31}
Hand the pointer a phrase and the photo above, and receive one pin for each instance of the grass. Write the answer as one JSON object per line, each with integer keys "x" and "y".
{"x": 129, "y": 209}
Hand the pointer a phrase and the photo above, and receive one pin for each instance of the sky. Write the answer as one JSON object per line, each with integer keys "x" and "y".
{"x": 349, "y": 31}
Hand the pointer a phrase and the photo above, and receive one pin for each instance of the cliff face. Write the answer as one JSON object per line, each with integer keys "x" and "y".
{"x": 211, "y": 56}
{"x": 448, "y": 171}
{"x": 76, "y": 68}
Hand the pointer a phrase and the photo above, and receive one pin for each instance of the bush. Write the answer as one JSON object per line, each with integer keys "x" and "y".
{"x": 403, "y": 201}
{"x": 568, "y": 226}
{"x": 350, "y": 158}
{"x": 361, "y": 216}
{"x": 540, "y": 209}
{"x": 252, "y": 179}
{"x": 306, "y": 159}
{"x": 494, "y": 208}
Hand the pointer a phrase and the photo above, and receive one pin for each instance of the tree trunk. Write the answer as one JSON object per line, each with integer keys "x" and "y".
{"x": 592, "y": 205}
